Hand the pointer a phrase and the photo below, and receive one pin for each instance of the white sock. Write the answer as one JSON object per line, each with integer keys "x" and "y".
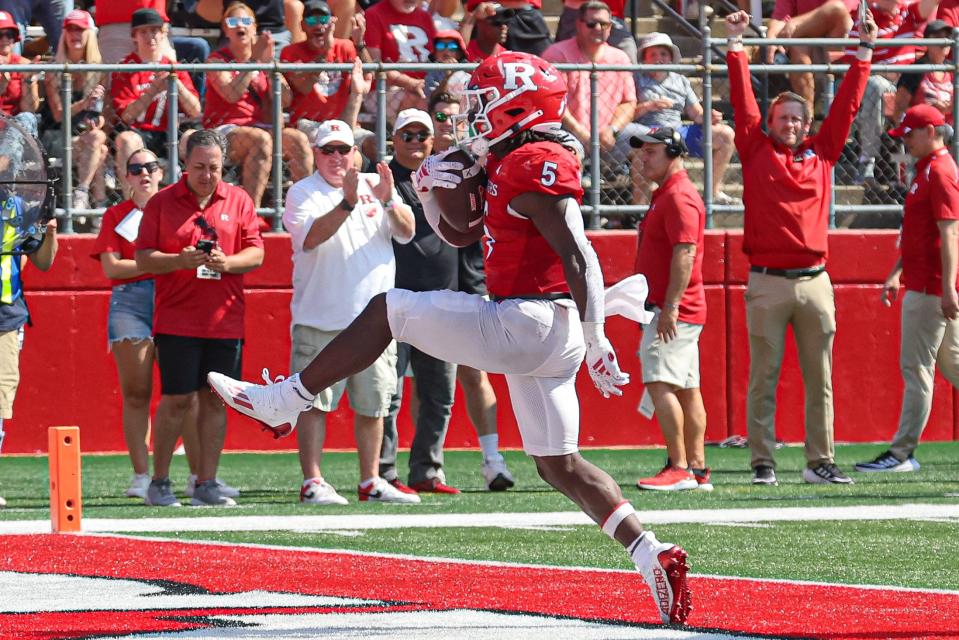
{"x": 644, "y": 549}
{"x": 309, "y": 480}
{"x": 366, "y": 484}
{"x": 301, "y": 391}
{"x": 490, "y": 445}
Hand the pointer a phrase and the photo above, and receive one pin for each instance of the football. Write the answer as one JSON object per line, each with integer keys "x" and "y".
{"x": 462, "y": 207}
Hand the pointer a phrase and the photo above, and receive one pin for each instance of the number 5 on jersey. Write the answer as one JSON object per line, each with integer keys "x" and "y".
{"x": 548, "y": 177}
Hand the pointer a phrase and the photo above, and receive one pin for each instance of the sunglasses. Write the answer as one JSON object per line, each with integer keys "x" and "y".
{"x": 446, "y": 45}
{"x": 10, "y": 34}
{"x": 205, "y": 228}
{"x": 341, "y": 149}
{"x": 442, "y": 117}
{"x": 408, "y": 136}
{"x": 233, "y": 22}
{"x": 592, "y": 24}
{"x": 136, "y": 168}
{"x": 316, "y": 19}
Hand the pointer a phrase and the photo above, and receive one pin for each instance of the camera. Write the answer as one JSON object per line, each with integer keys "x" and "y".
{"x": 206, "y": 246}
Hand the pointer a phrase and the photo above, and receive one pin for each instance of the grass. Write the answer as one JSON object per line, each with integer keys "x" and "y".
{"x": 853, "y": 552}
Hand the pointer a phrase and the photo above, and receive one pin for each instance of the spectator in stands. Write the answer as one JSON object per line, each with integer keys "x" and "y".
{"x": 239, "y": 106}
{"x": 198, "y": 236}
{"x": 806, "y": 19}
{"x": 448, "y": 48}
{"x": 48, "y": 13}
{"x": 670, "y": 255}
{"x": 619, "y": 34}
{"x": 319, "y": 96}
{"x": 130, "y": 321}
{"x": 485, "y": 30}
{"x": 19, "y": 98}
{"x": 526, "y": 29}
{"x": 139, "y": 98}
{"x": 933, "y": 87}
{"x": 663, "y": 98}
{"x": 471, "y": 278}
{"x": 427, "y": 263}
{"x": 400, "y": 31}
{"x": 895, "y": 19}
{"x": 341, "y": 223}
{"x": 78, "y": 43}
{"x": 617, "y": 103}
{"x": 272, "y": 16}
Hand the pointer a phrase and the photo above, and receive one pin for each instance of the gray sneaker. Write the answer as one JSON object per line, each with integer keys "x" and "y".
{"x": 207, "y": 494}
{"x": 159, "y": 494}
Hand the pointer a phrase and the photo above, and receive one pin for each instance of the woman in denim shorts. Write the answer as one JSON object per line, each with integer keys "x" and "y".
{"x": 130, "y": 322}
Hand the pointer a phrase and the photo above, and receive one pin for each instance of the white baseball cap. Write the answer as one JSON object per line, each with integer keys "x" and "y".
{"x": 334, "y": 131}
{"x": 406, "y": 117}
{"x": 657, "y": 39}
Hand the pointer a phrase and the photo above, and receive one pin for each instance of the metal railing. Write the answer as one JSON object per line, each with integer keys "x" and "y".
{"x": 707, "y": 70}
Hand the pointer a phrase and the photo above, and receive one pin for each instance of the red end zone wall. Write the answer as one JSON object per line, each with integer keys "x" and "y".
{"x": 68, "y": 377}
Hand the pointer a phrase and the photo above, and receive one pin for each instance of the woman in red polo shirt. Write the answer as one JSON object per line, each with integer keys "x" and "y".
{"x": 238, "y": 105}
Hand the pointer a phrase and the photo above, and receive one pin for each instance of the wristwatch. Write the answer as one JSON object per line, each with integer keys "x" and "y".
{"x": 346, "y": 206}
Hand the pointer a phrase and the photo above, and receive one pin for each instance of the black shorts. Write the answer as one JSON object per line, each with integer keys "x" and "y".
{"x": 184, "y": 362}
{"x": 472, "y": 277}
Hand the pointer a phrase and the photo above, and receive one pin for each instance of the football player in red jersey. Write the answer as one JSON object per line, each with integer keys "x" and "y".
{"x": 546, "y": 309}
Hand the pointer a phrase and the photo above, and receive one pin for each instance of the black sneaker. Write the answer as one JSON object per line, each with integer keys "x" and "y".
{"x": 764, "y": 474}
{"x": 826, "y": 473}
{"x": 885, "y": 461}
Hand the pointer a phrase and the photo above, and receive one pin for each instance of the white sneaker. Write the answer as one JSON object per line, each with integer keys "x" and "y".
{"x": 225, "y": 489}
{"x": 663, "y": 567}
{"x": 319, "y": 491}
{"x": 497, "y": 475}
{"x": 276, "y": 405}
{"x": 382, "y": 491}
{"x": 139, "y": 484}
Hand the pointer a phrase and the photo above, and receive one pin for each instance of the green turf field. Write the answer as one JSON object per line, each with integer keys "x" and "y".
{"x": 852, "y": 551}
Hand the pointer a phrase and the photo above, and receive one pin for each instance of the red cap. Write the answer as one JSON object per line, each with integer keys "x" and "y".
{"x": 79, "y": 18}
{"x": 917, "y": 117}
{"x": 7, "y": 22}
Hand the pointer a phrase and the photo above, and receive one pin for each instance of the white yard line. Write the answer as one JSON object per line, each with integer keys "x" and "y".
{"x": 354, "y": 522}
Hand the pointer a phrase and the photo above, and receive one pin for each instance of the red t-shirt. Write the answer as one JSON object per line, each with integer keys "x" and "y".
{"x": 118, "y": 11}
{"x": 786, "y": 191}
{"x": 248, "y": 110}
{"x": 330, "y": 92}
{"x": 400, "y": 37}
{"x": 109, "y": 241}
{"x": 125, "y": 88}
{"x": 786, "y": 9}
{"x": 536, "y": 4}
{"x": 933, "y": 196}
{"x": 676, "y": 215}
{"x": 475, "y": 54}
{"x": 519, "y": 261}
{"x": 187, "y": 305}
{"x": 904, "y": 22}
{"x": 10, "y": 98}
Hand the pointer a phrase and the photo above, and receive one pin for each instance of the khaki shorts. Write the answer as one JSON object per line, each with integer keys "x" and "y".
{"x": 9, "y": 371}
{"x": 675, "y": 362}
{"x": 370, "y": 390}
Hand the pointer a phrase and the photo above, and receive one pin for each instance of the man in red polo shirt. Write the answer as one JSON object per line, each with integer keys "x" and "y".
{"x": 199, "y": 236}
{"x": 670, "y": 255}
{"x": 786, "y": 190}
{"x": 927, "y": 268}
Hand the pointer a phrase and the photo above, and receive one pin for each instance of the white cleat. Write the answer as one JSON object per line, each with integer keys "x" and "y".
{"x": 276, "y": 405}
{"x": 497, "y": 475}
{"x": 664, "y": 572}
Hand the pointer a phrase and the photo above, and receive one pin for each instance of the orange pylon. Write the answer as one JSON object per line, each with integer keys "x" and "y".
{"x": 64, "y": 453}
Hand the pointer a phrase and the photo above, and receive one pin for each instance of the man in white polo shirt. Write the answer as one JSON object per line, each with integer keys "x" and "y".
{"x": 341, "y": 225}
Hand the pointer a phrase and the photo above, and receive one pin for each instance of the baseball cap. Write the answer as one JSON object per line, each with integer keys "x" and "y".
{"x": 662, "y": 135}
{"x": 334, "y": 131}
{"x": 146, "y": 18}
{"x": 7, "y": 22}
{"x": 917, "y": 117}
{"x": 316, "y": 6}
{"x": 657, "y": 39}
{"x": 79, "y": 18}
{"x": 937, "y": 26}
{"x": 406, "y": 117}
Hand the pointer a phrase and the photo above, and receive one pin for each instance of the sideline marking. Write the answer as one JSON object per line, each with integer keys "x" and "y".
{"x": 357, "y": 521}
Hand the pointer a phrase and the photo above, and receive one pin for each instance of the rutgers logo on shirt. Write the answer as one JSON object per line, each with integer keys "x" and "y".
{"x": 412, "y": 42}
{"x": 365, "y": 201}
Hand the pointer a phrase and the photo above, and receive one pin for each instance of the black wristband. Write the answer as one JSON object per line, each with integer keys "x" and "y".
{"x": 346, "y": 206}
{"x": 867, "y": 45}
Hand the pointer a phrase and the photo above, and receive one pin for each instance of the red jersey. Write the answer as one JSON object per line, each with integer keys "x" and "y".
{"x": 109, "y": 241}
{"x": 475, "y": 54}
{"x": 519, "y": 261}
{"x": 786, "y": 191}
{"x": 10, "y": 98}
{"x": 400, "y": 37}
{"x": 248, "y": 110}
{"x": 905, "y": 22}
{"x": 676, "y": 215}
{"x": 125, "y": 88}
{"x": 118, "y": 11}
{"x": 536, "y": 4}
{"x": 330, "y": 92}
{"x": 186, "y": 304}
{"x": 933, "y": 196}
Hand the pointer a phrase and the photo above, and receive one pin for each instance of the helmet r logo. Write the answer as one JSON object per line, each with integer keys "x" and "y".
{"x": 518, "y": 74}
